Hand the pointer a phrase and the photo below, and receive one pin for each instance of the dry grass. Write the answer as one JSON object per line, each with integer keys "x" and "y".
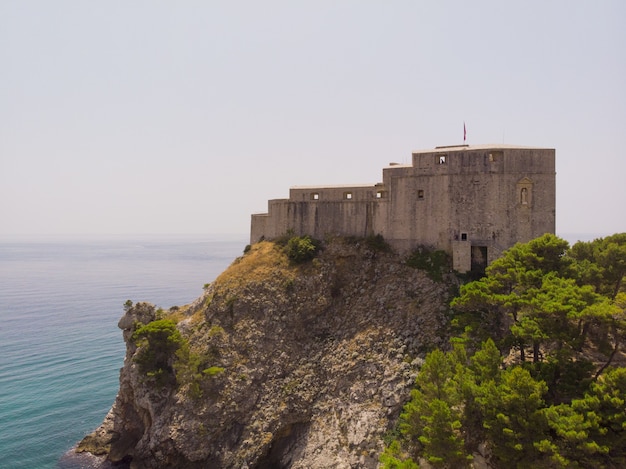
{"x": 264, "y": 260}
{"x": 176, "y": 314}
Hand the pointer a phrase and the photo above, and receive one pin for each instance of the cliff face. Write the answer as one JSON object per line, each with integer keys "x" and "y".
{"x": 300, "y": 366}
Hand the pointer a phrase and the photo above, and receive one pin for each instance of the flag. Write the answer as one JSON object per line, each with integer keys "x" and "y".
{"x": 464, "y": 133}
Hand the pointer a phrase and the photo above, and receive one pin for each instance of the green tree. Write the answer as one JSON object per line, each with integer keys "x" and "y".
{"x": 606, "y": 402}
{"x": 157, "y": 342}
{"x": 505, "y": 294}
{"x": 602, "y": 263}
{"x": 394, "y": 457}
{"x": 431, "y": 422}
{"x": 591, "y": 431}
{"x": 441, "y": 437}
{"x": 514, "y": 421}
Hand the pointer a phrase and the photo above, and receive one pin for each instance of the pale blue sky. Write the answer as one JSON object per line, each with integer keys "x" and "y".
{"x": 187, "y": 116}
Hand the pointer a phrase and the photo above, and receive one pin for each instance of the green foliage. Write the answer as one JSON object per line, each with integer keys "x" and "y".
{"x": 301, "y": 249}
{"x": 551, "y": 412}
{"x": 434, "y": 262}
{"x": 191, "y": 368}
{"x": 377, "y": 243}
{"x": 374, "y": 243}
{"x": 127, "y": 305}
{"x": 512, "y": 416}
{"x": 592, "y": 430}
{"x": 158, "y": 342}
{"x": 213, "y": 371}
{"x": 393, "y": 457}
{"x": 187, "y": 368}
{"x": 431, "y": 422}
{"x": 602, "y": 263}
{"x": 531, "y": 298}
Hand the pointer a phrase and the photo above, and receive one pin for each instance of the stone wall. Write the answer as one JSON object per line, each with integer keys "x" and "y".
{"x": 471, "y": 201}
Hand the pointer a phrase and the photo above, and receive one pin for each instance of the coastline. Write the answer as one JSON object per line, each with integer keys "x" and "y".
{"x": 73, "y": 460}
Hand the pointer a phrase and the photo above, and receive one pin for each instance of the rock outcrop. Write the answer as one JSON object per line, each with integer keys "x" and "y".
{"x": 288, "y": 366}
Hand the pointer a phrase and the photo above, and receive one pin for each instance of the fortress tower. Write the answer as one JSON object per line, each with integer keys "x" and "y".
{"x": 473, "y": 202}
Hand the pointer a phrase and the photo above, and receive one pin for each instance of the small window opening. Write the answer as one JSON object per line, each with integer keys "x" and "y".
{"x": 379, "y": 194}
{"x": 347, "y": 195}
{"x": 463, "y": 236}
{"x": 420, "y": 193}
{"x": 495, "y": 156}
{"x": 315, "y": 196}
{"x": 442, "y": 159}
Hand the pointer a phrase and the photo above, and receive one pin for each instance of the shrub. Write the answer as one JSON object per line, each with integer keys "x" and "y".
{"x": 377, "y": 243}
{"x": 301, "y": 249}
{"x": 158, "y": 342}
{"x": 433, "y": 262}
{"x": 374, "y": 243}
{"x": 213, "y": 371}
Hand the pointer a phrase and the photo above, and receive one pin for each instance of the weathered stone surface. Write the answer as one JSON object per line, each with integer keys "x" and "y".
{"x": 317, "y": 362}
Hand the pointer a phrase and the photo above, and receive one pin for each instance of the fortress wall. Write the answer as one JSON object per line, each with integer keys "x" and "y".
{"x": 337, "y": 218}
{"x": 347, "y": 193}
{"x": 486, "y": 196}
{"x": 259, "y": 225}
{"x": 473, "y": 202}
{"x": 321, "y": 211}
{"x": 271, "y": 224}
{"x": 417, "y": 212}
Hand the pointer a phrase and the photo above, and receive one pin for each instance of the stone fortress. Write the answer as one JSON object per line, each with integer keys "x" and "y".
{"x": 473, "y": 202}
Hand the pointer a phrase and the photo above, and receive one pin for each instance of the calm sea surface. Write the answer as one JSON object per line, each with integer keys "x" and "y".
{"x": 60, "y": 348}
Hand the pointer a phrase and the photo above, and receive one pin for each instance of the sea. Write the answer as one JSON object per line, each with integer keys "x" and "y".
{"x": 60, "y": 348}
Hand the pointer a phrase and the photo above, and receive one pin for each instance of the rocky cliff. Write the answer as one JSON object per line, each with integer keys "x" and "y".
{"x": 282, "y": 365}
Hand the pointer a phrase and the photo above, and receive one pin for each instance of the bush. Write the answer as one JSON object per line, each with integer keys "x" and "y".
{"x": 213, "y": 371}
{"x": 158, "y": 342}
{"x": 433, "y": 262}
{"x": 377, "y": 243}
{"x": 301, "y": 249}
{"x": 374, "y": 243}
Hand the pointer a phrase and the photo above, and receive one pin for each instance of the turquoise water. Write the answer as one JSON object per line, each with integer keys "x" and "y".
{"x": 60, "y": 348}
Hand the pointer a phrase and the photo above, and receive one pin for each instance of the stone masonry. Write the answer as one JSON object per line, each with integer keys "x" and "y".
{"x": 472, "y": 201}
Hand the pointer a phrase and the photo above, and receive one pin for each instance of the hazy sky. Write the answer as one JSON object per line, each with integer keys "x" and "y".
{"x": 187, "y": 116}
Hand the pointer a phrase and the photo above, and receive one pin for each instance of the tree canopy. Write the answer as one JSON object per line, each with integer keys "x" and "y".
{"x": 530, "y": 377}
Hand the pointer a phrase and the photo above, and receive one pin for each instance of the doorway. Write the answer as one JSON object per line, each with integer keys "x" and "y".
{"x": 479, "y": 259}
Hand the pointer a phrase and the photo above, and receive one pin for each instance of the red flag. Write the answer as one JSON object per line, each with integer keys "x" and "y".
{"x": 464, "y": 132}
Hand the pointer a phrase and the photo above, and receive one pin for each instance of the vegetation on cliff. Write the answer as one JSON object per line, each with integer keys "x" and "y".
{"x": 299, "y": 355}
{"x": 305, "y": 354}
{"x": 531, "y": 378}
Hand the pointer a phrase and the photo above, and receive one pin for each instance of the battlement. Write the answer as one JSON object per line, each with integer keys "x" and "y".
{"x": 471, "y": 201}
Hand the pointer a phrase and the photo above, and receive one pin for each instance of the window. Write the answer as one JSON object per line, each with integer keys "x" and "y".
{"x": 495, "y": 155}
{"x": 315, "y": 196}
{"x": 463, "y": 236}
{"x": 442, "y": 159}
{"x": 420, "y": 193}
{"x": 379, "y": 194}
{"x": 347, "y": 195}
